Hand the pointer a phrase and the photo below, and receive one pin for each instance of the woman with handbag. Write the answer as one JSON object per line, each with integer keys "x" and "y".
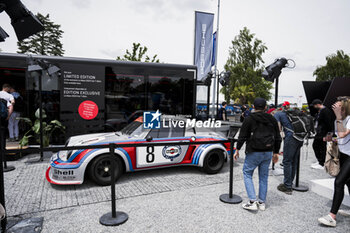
{"x": 342, "y": 129}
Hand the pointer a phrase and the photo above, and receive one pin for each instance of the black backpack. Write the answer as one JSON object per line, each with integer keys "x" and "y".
{"x": 19, "y": 105}
{"x": 303, "y": 125}
{"x": 3, "y": 110}
{"x": 263, "y": 136}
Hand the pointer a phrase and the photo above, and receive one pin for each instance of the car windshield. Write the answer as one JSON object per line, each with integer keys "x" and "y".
{"x": 131, "y": 128}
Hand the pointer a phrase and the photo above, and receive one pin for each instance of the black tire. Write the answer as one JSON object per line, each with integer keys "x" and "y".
{"x": 213, "y": 161}
{"x": 99, "y": 170}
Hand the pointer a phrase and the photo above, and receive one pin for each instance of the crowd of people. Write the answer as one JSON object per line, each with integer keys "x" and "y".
{"x": 264, "y": 129}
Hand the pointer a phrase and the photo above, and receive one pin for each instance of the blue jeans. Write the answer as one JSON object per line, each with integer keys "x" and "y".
{"x": 253, "y": 160}
{"x": 291, "y": 153}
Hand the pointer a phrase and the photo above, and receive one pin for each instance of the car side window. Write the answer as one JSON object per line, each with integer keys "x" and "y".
{"x": 153, "y": 133}
{"x": 164, "y": 132}
{"x": 178, "y": 131}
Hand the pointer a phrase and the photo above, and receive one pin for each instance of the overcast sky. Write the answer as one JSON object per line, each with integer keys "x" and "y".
{"x": 303, "y": 30}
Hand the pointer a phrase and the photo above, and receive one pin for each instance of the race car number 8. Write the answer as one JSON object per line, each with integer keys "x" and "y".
{"x": 150, "y": 154}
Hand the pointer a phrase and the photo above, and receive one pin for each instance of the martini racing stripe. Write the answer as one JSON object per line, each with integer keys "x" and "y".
{"x": 198, "y": 153}
{"x": 82, "y": 156}
{"x": 128, "y": 157}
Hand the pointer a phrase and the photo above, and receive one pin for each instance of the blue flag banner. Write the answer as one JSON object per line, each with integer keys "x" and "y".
{"x": 214, "y": 48}
{"x": 203, "y": 43}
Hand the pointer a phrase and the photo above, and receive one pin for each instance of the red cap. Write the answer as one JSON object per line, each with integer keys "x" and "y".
{"x": 285, "y": 103}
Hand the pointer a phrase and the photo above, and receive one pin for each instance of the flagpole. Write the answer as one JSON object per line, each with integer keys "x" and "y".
{"x": 216, "y": 60}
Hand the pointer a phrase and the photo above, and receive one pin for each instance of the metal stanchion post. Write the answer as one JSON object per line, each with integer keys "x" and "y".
{"x": 3, "y": 152}
{"x": 113, "y": 218}
{"x": 2, "y": 186}
{"x": 297, "y": 187}
{"x": 229, "y": 197}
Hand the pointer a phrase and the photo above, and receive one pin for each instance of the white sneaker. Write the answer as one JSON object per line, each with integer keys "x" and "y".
{"x": 250, "y": 206}
{"x": 314, "y": 164}
{"x": 261, "y": 206}
{"x": 318, "y": 166}
{"x": 345, "y": 213}
{"x": 328, "y": 221}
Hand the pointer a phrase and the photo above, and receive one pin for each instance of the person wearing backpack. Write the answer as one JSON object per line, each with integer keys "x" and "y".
{"x": 261, "y": 134}
{"x": 4, "y": 94}
{"x": 13, "y": 121}
{"x": 291, "y": 148}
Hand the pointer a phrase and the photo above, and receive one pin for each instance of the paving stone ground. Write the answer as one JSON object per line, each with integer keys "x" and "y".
{"x": 181, "y": 199}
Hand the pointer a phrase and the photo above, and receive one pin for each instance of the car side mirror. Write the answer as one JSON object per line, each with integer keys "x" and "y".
{"x": 149, "y": 138}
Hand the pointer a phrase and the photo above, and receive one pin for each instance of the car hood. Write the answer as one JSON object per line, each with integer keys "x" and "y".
{"x": 97, "y": 138}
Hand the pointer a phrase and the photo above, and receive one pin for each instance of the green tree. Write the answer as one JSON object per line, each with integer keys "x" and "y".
{"x": 245, "y": 64}
{"x": 137, "y": 54}
{"x": 338, "y": 65}
{"x": 46, "y": 42}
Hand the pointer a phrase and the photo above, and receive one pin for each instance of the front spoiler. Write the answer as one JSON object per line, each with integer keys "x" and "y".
{"x": 50, "y": 179}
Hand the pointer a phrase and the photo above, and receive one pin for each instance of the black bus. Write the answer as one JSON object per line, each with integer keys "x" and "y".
{"x": 94, "y": 95}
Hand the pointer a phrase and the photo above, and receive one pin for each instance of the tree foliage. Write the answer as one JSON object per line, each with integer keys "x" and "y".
{"x": 46, "y": 42}
{"x": 137, "y": 54}
{"x": 245, "y": 63}
{"x": 338, "y": 65}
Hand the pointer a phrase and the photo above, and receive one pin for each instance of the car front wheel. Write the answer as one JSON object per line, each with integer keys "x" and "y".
{"x": 100, "y": 170}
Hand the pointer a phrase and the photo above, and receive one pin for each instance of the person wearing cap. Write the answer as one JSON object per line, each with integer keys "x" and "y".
{"x": 258, "y": 155}
{"x": 323, "y": 125}
{"x": 291, "y": 149}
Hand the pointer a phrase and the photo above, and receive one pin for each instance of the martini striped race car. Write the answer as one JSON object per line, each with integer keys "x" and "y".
{"x": 72, "y": 167}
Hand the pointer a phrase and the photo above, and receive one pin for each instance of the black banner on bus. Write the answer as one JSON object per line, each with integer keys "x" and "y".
{"x": 82, "y": 98}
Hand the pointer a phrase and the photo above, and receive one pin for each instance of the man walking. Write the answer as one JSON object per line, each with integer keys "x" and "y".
{"x": 260, "y": 131}
{"x": 291, "y": 149}
{"x": 324, "y": 124}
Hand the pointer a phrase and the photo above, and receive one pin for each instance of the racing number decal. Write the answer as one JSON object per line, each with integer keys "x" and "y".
{"x": 150, "y": 154}
{"x": 154, "y": 155}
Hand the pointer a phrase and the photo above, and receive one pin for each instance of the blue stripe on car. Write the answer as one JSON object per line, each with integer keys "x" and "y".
{"x": 201, "y": 151}
{"x": 128, "y": 157}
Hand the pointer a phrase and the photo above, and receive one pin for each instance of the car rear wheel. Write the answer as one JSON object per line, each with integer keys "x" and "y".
{"x": 213, "y": 161}
{"x": 100, "y": 169}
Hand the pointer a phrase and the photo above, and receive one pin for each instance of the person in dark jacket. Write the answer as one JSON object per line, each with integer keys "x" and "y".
{"x": 222, "y": 112}
{"x": 323, "y": 125}
{"x": 257, "y": 155}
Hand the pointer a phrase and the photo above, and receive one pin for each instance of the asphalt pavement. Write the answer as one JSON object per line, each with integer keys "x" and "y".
{"x": 181, "y": 199}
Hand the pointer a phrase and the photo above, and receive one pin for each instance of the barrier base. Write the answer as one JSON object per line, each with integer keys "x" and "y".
{"x": 108, "y": 220}
{"x": 300, "y": 188}
{"x": 9, "y": 168}
{"x": 235, "y": 199}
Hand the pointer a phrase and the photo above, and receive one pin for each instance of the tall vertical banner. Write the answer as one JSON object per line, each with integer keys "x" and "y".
{"x": 214, "y": 48}
{"x": 203, "y": 43}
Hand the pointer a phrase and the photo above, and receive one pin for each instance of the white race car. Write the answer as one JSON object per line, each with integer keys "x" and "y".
{"x": 70, "y": 167}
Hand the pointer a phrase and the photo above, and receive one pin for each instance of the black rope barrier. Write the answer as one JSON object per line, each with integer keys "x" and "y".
{"x": 114, "y": 217}
{"x": 297, "y": 187}
{"x": 231, "y": 198}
